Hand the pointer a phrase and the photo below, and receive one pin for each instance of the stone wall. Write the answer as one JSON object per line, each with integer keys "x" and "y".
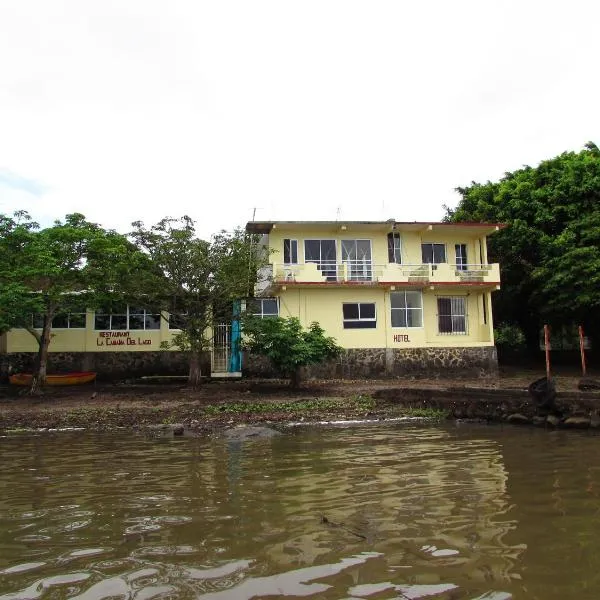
{"x": 381, "y": 363}
{"x": 108, "y": 365}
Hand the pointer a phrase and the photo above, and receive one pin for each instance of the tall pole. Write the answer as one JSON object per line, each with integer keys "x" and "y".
{"x": 547, "y": 348}
{"x": 582, "y": 350}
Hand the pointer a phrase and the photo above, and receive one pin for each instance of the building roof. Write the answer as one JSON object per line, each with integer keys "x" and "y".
{"x": 389, "y": 225}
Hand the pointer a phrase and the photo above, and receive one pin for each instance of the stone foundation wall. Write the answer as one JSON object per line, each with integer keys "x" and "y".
{"x": 381, "y": 363}
{"x": 108, "y": 365}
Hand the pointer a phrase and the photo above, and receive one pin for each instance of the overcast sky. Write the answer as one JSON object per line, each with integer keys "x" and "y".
{"x": 137, "y": 109}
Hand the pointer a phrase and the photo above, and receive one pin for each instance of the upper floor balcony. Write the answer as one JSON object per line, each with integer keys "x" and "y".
{"x": 362, "y": 272}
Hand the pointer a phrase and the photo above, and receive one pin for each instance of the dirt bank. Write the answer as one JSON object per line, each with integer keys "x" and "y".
{"x": 223, "y": 403}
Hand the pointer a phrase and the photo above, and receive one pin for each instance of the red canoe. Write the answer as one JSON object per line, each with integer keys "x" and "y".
{"x": 65, "y": 379}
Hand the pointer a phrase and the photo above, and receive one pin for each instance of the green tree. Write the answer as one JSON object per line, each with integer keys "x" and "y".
{"x": 57, "y": 270}
{"x": 288, "y": 345}
{"x": 549, "y": 252}
{"x": 199, "y": 279}
{"x": 17, "y": 304}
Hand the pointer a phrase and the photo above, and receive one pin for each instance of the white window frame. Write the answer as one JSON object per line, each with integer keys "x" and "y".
{"x": 356, "y": 269}
{"x": 330, "y": 268}
{"x": 461, "y": 261}
{"x": 433, "y": 253}
{"x": 406, "y": 310}
{"x": 68, "y": 316}
{"x": 127, "y": 314}
{"x": 396, "y": 248}
{"x": 292, "y": 242}
{"x": 360, "y": 319}
{"x": 262, "y": 313}
{"x": 454, "y": 315}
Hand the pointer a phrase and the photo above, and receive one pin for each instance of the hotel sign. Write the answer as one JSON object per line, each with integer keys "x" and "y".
{"x": 401, "y": 338}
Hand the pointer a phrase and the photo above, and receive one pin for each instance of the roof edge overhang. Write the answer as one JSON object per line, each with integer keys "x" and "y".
{"x": 265, "y": 227}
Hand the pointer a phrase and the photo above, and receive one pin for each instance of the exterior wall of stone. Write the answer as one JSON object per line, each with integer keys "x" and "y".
{"x": 108, "y": 365}
{"x": 381, "y": 363}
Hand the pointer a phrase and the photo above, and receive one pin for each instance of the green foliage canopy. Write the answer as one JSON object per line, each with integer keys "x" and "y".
{"x": 287, "y": 344}
{"x": 196, "y": 280}
{"x": 549, "y": 252}
{"x": 72, "y": 265}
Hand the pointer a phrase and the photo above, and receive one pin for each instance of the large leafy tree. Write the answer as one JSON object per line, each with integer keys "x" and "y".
{"x": 60, "y": 269}
{"x": 288, "y": 345}
{"x": 550, "y": 250}
{"x": 200, "y": 279}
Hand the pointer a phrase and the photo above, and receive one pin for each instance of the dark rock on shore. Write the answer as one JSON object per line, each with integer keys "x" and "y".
{"x": 577, "y": 422}
{"x": 587, "y": 384}
{"x": 518, "y": 418}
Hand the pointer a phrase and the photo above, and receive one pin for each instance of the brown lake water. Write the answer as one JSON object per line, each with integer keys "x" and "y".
{"x": 412, "y": 512}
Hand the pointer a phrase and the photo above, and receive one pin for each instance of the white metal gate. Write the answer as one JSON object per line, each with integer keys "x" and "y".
{"x": 221, "y": 352}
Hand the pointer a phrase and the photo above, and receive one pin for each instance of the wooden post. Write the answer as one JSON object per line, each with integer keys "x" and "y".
{"x": 582, "y": 350}
{"x": 547, "y": 348}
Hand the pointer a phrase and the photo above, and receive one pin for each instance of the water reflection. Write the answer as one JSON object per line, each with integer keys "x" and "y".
{"x": 383, "y": 512}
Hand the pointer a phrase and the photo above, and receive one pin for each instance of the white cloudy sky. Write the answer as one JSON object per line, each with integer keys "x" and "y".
{"x": 137, "y": 109}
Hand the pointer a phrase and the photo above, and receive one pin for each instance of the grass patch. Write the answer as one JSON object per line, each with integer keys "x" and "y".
{"x": 358, "y": 402}
{"x": 425, "y": 413}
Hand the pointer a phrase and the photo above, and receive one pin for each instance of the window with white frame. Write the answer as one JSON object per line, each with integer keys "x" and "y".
{"x": 69, "y": 320}
{"x": 406, "y": 309}
{"x": 433, "y": 253}
{"x": 126, "y": 317}
{"x": 264, "y": 307}
{"x": 290, "y": 252}
{"x": 452, "y": 315}
{"x": 359, "y": 315}
{"x": 394, "y": 247}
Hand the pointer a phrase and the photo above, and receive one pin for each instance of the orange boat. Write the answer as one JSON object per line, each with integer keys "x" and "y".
{"x": 77, "y": 378}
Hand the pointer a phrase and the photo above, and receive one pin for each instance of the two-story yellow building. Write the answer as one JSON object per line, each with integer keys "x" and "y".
{"x": 402, "y": 298}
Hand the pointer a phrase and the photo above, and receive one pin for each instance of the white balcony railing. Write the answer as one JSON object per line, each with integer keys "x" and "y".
{"x": 366, "y": 272}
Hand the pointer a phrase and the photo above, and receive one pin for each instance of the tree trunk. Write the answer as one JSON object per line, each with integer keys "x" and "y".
{"x": 296, "y": 377}
{"x": 195, "y": 374}
{"x": 38, "y": 380}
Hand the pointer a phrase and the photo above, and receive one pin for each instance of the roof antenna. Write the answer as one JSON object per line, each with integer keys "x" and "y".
{"x": 337, "y": 213}
{"x": 254, "y": 209}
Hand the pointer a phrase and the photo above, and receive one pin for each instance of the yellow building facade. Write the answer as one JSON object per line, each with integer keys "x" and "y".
{"x": 400, "y": 298}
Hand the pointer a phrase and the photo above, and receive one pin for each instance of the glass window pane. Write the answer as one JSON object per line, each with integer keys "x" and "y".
{"x": 363, "y": 249}
{"x": 135, "y": 321}
{"x": 152, "y": 321}
{"x": 390, "y": 241}
{"x": 102, "y": 321}
{"x": 269, "y": 306}
{"x": 350, "y": 311}
{"x": 444, "y": 305}
{"x": 118, "y": 322}
{"x": 60, "y": 321}
{"x": 414, "y": 318}
{"x": 77, "y": 321}
{"x": 439, "y": 253}
{"x": 413, "y": 299}
{"x": 397, "y": 300}
{"x": 427, "y": 253}
{"x": 348, "y": 250}
{"x": 458, "y": 324}
{"x": 367, "y": 311}
{"x": 399, "y": 318}
{"x": 312, "y": 250}
{"x": 444, "y": 323}
{"x": 360, "y": 324}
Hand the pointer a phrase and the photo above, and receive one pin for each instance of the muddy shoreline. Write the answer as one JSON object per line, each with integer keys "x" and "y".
{"x": 221, "y": 404}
